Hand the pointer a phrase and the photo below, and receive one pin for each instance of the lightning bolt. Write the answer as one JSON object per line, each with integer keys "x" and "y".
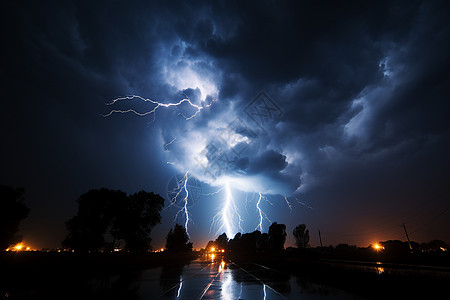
{"x": 303, "y": 203}
{"x": 156, "y": 106}
{"x": 225, "y": 217}
{"x": 226, "y": 210}
{"x": 262, "y": 214}
{"x": 182, "y": 186}
{"x": 169, "y": 143}
{"x": 228, "y": 214}
{"x": 288, "y": 204}
{"x": 214, "y": 193}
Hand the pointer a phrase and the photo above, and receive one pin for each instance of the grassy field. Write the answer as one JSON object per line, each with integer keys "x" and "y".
{"x": 65, "y": 275}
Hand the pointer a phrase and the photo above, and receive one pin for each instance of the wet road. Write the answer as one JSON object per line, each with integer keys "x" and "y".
{"x": 217, "y": 279}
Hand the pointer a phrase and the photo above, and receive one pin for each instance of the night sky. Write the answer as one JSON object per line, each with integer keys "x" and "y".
{"x": 342, "y": 108}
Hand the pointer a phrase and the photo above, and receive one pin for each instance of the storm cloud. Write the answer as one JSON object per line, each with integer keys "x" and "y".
{"x": 359, "y": 90}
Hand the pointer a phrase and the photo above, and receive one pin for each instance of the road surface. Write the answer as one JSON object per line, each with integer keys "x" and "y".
{"x": 207, "y": 278}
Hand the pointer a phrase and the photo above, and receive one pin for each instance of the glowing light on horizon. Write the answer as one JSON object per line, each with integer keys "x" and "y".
{"x": 377, "y": 247}
{"x": 19, "y": 247}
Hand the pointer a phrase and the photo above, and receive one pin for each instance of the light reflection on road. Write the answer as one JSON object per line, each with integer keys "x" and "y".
{"x": 226, "y": 284}
{"x": 217, "y": 278}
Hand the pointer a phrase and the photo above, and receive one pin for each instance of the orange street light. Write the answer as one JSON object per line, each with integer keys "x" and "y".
{"x": 377, "y": 247}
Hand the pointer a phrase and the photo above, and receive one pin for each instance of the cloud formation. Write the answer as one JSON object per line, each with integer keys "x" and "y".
{"x": 360, "y": 90}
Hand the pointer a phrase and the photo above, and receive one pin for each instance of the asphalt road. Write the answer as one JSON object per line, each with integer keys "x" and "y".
{"x": 218, "y": 279}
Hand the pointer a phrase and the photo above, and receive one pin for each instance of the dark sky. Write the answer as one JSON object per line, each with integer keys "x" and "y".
{"x": 353, "y": 139}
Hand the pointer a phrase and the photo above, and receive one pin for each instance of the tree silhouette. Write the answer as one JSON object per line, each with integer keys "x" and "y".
{"x": 130, "y": 218}
{"x": 134, "y": 220}
{"x": 249, "y": 241}
{"x": 264, "y": 242}
{"x": 177, "y": 240}
{"x": 277, "y": 236}
{"x": 235, "y": 244}
{"x": 222, "y": 241}
{"x": 434, "y": 245}
{"x": 95, "y": 212}
{"x": 12, "y": 212}
{"x": 301, "y": 235}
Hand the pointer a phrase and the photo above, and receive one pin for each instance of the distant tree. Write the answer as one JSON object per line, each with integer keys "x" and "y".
{"x": 87, "y": 228}
{"x": 435, "y": 245}
{"x": 346, "y": 249}
{"x": 277, "y": 236}
{"x": 264, "y": 242}
{"x": 249, "y": 241}
{"x": 12, "y": 212}
{"x": 395, "y": 248}
{"x": 177, "y": 240}
{"x": 135, "y": 219}
{"x": 234, "y": 245}
{"x": 222, "y": 241}
{"x": 127, "y": 218}
{"x": 301, "y": 235}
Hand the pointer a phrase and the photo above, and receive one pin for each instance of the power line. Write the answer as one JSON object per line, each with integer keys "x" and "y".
{"x": 431, "y": 221}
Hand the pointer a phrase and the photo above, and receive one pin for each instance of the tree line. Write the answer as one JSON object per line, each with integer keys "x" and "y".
{"x": 106, "y": 215}
{"x": 102, "y": 215}
{"x": 257, "y": 242}
{"x": 128, "y": 220}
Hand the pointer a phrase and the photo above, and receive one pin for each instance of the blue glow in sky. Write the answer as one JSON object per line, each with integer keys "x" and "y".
{"x": 340, "y": 109}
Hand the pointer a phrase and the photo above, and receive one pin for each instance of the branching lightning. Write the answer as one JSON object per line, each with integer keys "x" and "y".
{"x": 303, "y": 203}
{"x": 228, "y": 215}
{"x": 169, "y": 143}
{"x": 182, "y": 187}
{"x": 224, "y": 218}
{"x": 182, "y": 184}
{"x": 262, "y": 214}
{"x": 288, "y": 203}
{"x": 214, "y": 193}
{"x": 226, "y": 211}
{"x": 155, "y": 108}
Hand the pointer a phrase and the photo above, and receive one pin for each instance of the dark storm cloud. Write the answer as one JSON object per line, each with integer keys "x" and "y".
{"x": 363, "y": 87}
{"x": 269, "y": 161}
{"x": 318, "y": 61}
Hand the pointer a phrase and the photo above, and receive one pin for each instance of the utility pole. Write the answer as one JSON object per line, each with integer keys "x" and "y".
{"x": 320, "y": 238}
{"x": 407, "y": 236}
